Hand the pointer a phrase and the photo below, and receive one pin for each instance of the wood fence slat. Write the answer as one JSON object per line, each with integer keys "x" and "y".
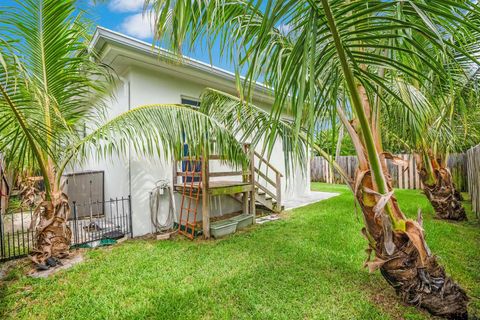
{"x": 411, "y": 168}
{"x": 400, "y": 175}
{"x": 405, "y": 172}
{"x": 473, "y": 177}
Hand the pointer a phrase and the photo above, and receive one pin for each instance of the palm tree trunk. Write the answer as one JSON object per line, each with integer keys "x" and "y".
{"x": 405, "y": 261}
{"x": 440, "y": 190}
{"x": 52, "y": 233}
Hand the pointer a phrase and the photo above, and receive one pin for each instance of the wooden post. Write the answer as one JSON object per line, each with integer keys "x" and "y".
{"x": 174, "y": 172}
{"x": 245, "y": 180}
{"x": 252, "y": 181}
{"x": 205, "y": 199}
{"x": 411, "y": 169}
{"x": 279, "y": 190}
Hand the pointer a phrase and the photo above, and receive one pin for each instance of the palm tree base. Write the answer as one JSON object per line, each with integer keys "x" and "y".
{"x": 440, "y": 190}
{"x": 445, "y": 200}
{"x": 404, "y": 259}
{"x": 427, "y": 287}
{"x": 53, "y": 235}
{"x": 54, "y": 241}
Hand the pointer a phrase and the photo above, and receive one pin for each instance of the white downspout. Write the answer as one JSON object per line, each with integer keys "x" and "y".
{"x": 126, "y": 84}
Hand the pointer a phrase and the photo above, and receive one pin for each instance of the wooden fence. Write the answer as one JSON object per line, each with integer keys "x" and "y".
{"x": 403, "y": 177}
{"x": 473, "y": 177}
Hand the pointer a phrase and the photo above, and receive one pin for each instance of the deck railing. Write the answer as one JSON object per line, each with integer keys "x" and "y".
{"x": 269, "y": 182}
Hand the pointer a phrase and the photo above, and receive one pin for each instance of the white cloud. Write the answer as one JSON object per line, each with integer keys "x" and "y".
{"x": 285, "y": 28}
{"x": 138, "y": 25}
{"x": 126, "y": 5}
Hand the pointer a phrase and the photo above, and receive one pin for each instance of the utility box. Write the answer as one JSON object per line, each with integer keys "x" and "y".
{"x": 87, "y": 190}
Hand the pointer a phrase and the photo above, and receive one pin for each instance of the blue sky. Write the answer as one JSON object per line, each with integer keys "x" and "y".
{"x": 126, "y": 16}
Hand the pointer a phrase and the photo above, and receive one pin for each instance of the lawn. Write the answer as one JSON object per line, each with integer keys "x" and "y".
{"x": 305, "y": 266}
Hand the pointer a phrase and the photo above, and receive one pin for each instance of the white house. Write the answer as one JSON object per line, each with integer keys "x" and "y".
{"x": 152, "y": 76}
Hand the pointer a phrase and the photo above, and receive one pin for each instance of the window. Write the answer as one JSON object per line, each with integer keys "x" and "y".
{"x": 187, "y": 165}
{"x": 191, "y": 102}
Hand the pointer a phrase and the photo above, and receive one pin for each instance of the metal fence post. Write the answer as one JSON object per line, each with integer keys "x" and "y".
{"x": 130, "y": 215}
{"x": 75, "y": 230}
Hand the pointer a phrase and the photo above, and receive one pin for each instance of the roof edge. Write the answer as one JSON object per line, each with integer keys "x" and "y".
{"x": 103, "y": 35}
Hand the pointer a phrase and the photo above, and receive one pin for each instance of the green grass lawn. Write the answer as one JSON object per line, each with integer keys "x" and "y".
{"x": 306, "y": 266}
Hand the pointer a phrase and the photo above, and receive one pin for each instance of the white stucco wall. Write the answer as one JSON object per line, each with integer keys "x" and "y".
{"x": 137, "y": 175}
{"x": 116, "y": 168}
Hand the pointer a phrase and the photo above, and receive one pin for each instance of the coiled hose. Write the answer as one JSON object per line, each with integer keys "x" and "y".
{"x": 157, "y": 193}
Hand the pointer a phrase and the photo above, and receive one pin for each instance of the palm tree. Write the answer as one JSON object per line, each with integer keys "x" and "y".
{"x": 308, "y": 50}
{"x": 449, "y": 125}
{"x": 442, "y": 117}
{"x": 52, "y": 107}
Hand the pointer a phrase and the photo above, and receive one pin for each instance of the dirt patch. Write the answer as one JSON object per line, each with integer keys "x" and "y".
{"x": 386, "y": 300}
{"x": 73, "y": 259}
{"x": 65, "y": 264}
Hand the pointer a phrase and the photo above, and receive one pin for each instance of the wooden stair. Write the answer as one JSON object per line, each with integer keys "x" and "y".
{"x": 267, "y": 201}
{"x": 262, "y": 200}
{"x": 264, "y": 184}
{"x": 268, "y": 184}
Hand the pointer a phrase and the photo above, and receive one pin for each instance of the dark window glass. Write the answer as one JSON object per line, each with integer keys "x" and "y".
{"x": 191, "y": 102}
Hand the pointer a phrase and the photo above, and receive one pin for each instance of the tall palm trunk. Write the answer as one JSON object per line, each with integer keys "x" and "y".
{"x": 400, "y": 250}
{"x": 439, "y": 188}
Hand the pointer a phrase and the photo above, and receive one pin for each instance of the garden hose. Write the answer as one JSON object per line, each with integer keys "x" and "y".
{"x": 162, "y": 222}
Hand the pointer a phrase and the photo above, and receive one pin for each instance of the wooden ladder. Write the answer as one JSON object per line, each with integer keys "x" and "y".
{"x": 190, "y": 195}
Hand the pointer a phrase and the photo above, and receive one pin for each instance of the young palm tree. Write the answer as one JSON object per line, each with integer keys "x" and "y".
{"x": 307, "y": 50}
{"x": 52, "y": 94}
{"x": 451, "y": 125}
{"x": 441, "y": 117}
{"x": 459, "y": 108}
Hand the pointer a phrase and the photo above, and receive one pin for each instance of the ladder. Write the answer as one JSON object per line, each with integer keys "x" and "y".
{"x": 192, "y": 181}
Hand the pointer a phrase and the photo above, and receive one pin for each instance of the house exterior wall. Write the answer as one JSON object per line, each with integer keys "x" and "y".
{"x": 137, "y": 175}
{"x": 116, "y": 168}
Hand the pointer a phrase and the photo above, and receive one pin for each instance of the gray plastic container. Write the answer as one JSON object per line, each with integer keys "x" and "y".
{"x": 244, "y": 220}
{"x": 222, "y": 228}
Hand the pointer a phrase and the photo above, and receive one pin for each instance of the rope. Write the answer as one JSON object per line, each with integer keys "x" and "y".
{"x": 157, "y": 193}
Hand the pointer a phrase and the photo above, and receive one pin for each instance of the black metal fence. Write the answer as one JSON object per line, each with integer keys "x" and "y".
{"x": 111, "y": 219}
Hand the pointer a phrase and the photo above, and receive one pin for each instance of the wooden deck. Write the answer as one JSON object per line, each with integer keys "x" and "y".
{"x": 247, "y": 185}
{"x": 217, "y": 188}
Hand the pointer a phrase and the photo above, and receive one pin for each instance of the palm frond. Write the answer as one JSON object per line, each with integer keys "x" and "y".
{"x": 288, "y": 61}
{"x": 53, "y": 80}
{"x": 161, "y": 131}
{"x": 255, "y": 125}
{"x": 23, "y": 138}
